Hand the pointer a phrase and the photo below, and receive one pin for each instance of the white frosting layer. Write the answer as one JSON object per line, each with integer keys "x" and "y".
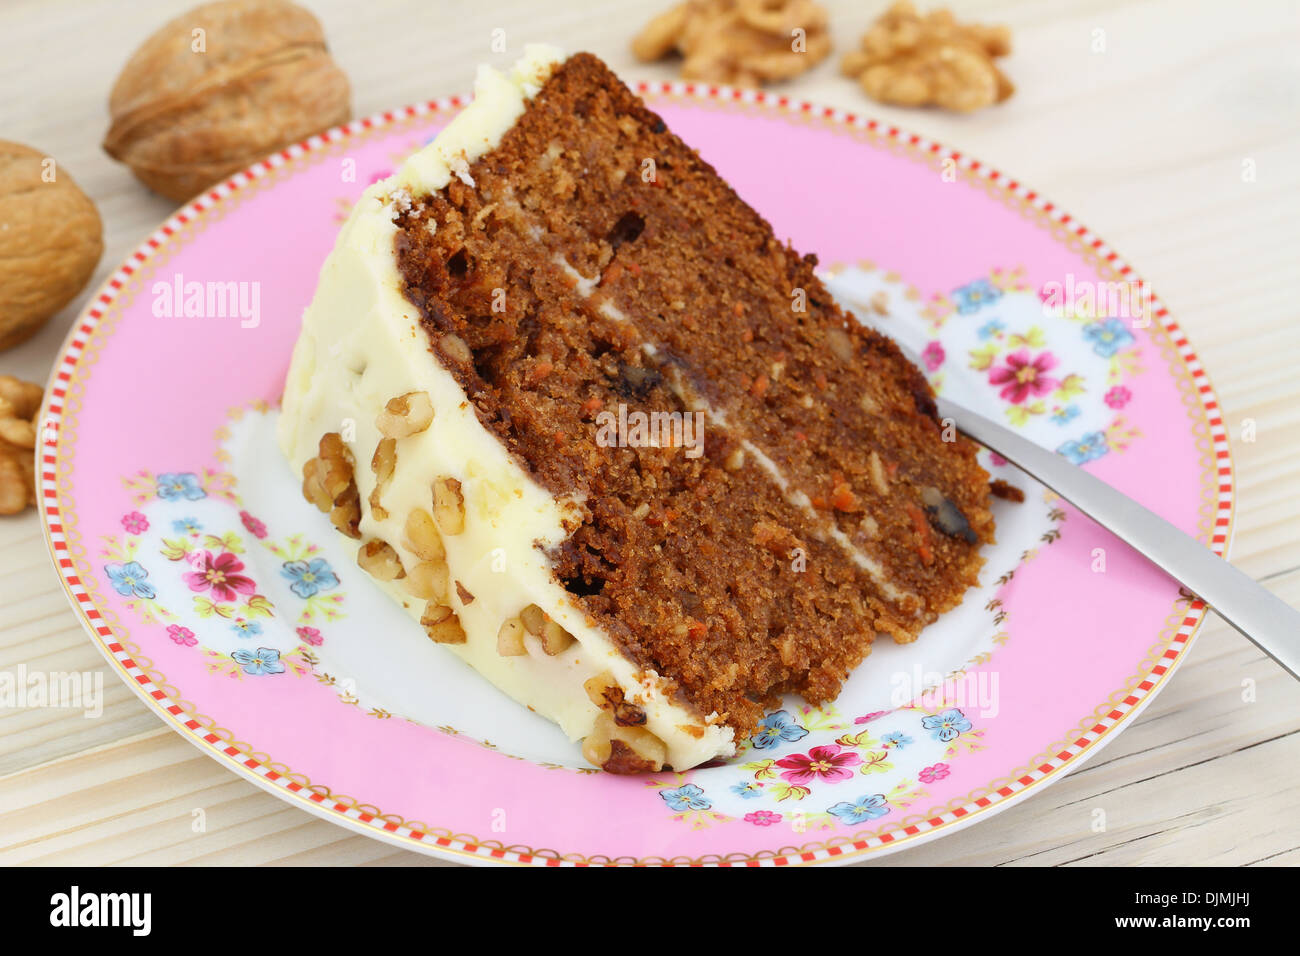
{"x": 361, "y": 345}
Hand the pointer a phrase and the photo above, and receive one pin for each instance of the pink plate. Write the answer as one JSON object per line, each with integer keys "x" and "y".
{"x": 239, "y": 616}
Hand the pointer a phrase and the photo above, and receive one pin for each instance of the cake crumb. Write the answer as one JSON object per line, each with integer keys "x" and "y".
{"x": 1007, "y": 492}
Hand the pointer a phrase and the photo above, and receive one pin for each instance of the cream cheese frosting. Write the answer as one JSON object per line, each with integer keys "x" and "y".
{"x": 361, "y": 345}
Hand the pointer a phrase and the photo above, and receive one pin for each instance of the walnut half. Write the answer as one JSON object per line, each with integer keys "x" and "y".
{"x": 910, "y": 59}
{"x": 740, "y": 42}
{"x": 20, "y": 404}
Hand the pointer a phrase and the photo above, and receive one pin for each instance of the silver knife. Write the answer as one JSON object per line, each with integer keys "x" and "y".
{"x": 1265, "y": 619}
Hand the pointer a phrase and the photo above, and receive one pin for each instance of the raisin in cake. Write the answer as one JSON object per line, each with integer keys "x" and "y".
{"x": 494, "y": 323}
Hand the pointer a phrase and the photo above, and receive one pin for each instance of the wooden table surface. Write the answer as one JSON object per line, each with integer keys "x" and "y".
{"x": 1145, "y": 139}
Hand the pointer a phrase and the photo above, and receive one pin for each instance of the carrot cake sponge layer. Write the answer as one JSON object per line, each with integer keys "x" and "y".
{"x": 609, "y": 440}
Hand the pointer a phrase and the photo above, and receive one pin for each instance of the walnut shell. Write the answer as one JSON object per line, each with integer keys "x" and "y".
{"x": 183, "y": 120}
{"x": 51, "y": 239}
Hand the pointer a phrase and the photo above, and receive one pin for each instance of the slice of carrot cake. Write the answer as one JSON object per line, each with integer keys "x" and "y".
{"x": 608, "y": 439}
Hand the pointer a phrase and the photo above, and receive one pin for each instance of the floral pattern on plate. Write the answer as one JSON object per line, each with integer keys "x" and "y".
{"x": 814, "y": 768}
{"x": 1058, "y": 374}
{"x": 182, "y": 561}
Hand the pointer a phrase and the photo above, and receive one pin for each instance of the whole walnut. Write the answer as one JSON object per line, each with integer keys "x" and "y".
{"x": 219, "y": 88}
{"x": 51, "y": 239}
